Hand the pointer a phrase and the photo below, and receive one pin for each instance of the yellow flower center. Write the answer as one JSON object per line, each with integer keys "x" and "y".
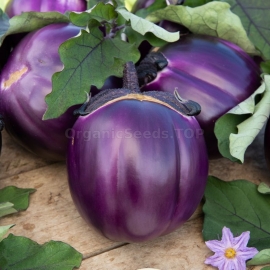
{"x": 230, "y": 253}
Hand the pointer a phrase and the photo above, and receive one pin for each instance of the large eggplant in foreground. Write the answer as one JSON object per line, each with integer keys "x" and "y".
{"x": 137, "y": 165}
{"x": 16, "y": 7}
{"x": 213, "y": 72}
{"x": 25, "y": 81}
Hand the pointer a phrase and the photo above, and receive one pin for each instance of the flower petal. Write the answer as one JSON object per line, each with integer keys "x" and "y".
{"x": 241, "y": 264}
{"x": 216, "y": 260}
{"x": 247, "y": 253}
{"x": 215, "y": 245}
{"x": 241, "y": 241}
{"x": 227, "y": 237}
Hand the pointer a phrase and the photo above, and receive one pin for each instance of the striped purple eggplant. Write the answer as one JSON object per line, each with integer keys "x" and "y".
{"x": 213, "y": 72}
{"x": 25, "y": 81}
{"x": 16, "y": 7}
{"x": 137, "y": 163}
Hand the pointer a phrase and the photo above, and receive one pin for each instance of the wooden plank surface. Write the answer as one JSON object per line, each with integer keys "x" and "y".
{"x": 52, "y": 215}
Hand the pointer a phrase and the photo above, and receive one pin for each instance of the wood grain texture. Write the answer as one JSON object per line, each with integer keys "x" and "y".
{"x": 14, "y": 159}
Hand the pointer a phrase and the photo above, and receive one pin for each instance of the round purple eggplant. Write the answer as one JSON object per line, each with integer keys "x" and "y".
{"x": 25, "y": 81}
{"x": 213, "y": 72}
{"x": 137, "y": 162}
{"x": 16, "y": 7}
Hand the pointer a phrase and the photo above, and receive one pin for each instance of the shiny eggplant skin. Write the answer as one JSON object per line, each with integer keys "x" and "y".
{"x": 16, "y": 7}
{"x": 136, "y": 169}
{"x": 25, "y": 81}
{"x": 213, "y": 72}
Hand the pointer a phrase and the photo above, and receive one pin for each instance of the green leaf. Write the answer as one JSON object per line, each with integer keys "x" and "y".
{"x": 256, "y": 21}
{"x": 3, "y": 4}
{"x": 4, "y": 230}
{"x": 143, "y": 26}
{"x": 92, "y": 3}
{"x": 265, "y": 66}
{"x": 264, "y": 188}
{"x": 250, "y": 128}
{"x": 19, "y": 197}
{"x": 101, "y": 12}
{"x": 20, "y": 253}
{"x": 89, "y": 59}
{"x": 6, "y": 208}
{"x": 263, "y": 257}
{"x": 29, "y": 21}
{"x": 224, "y": 126}
{"x": 266, "y": 268}
{"x": 196, "y": 3}
{"x": 136, "y": 38}
{"x": 214, "y": 18}
{"x": 239, "y": 206}
{"x": 242, "y": 133}
{"x": 4, "y": 23}
{"x": 143, "y": 13}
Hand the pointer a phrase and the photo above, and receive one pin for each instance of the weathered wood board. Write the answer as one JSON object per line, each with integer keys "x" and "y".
{"x": 52, "y": 215}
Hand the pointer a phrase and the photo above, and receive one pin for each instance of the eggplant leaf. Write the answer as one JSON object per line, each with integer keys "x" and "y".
{"x": 234, "y": 143}
{"x": 92, "y": 3}
{"x": 266, "y": 268}
{"x": 264, "y": 188}
{"x": 143, "y": 26}
{"x": 195, "y": 3}
{"x": 4, "y": 24}
{"x": 4, "y": 230}
{"x": 19, "y": 197}
{"x": 265, "y": 66}
{"x": 6, "y": 208}
{"x": 29, "y": 21}
{"x": 144, "y": 12}
{"x": 263, "y": 257}
{"x": 239, "y": 206}
{"x": 20, "y": 253}
{"x": 89, "y": 59}
{"x": 214, "y": 18}
{"x": 250, "y": 128}
{"x": 256, "y": 21}
{"x": 101, "y": 12}
{"x": 3, "y": 4}
{"x": 224, "y": 126}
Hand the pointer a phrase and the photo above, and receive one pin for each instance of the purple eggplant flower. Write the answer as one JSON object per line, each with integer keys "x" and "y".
{"x": 231, "y": 253}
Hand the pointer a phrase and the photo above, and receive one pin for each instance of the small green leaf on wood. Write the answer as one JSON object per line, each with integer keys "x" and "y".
{"x": 21, "y": 253}
{"x": 263, "y": 257}
{"x": 6, "y": 208}
{"x": 19, "y": 197}
{"x": 239, "y": 206}
{"x": 4, "y": 230}
{"x": 28, "y": 21}
{"x": 214, "y": 18}
{"x": 264, "y": 188}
